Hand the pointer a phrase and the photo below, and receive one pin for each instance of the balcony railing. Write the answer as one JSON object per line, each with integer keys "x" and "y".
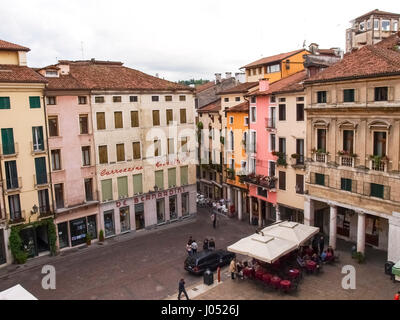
{"x": 260, "y": 180}
{"x": 321, "y": 157}
{"x": 17, "y": 217}
{"x": 37, "y": 149}
{"x": 11, "y": 150}
{"x": 347, "y": 161}
{"x": 270, "y": 123}
{"x": 13, "y": 184}
{"x": 378, "y": 165}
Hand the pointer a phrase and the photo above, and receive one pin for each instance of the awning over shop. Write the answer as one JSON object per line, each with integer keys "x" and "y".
{"x": 16, "y": 293}
{"x": 396, "y": 269}
{"x": 274, "y": 241}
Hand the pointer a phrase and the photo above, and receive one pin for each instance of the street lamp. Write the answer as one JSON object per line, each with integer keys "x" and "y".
{"x": 34, "y": 209}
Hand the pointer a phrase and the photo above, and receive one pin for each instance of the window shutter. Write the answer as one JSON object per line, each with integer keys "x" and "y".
{"x": 340, "y": 94}
{"x": 120, "y": 152}
{"x": 356, "y": 95}
{"x": 41, "y": 172}
{"x": 171, "y": 177}
{"x": 4, "y": 102}
{"x": 7, "y": 138}
{"x": 134, "y": 119}
{"x": 118, "y": 120}
{"x": 183, "y": 115}
{"x": 103, "y": 156}
{"x": 371, "y": 94}
{"x": 390, "y": 93}
{"x": 184, "y": 176}
{"x": 136, "y": 150}
{"x": 156, "y": 117}
{"x": 170, "y": 117}
{"x": 106, "y": 190}
{"x": 122, "y": 187}
{"x": 137, "y": 183}
{"x": 159, "y": 179}
{"x": 34, "y": 102}
{"x": 282, "y": 180}
{"x": 101, "y": 120}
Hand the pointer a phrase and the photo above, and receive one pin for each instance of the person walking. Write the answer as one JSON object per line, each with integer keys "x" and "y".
{"x": 182, "y": 289}
{"x": 190, "y": 241}
{"x": 321, "y": 244}
{"x": 189, "y": 249}
{"x": 315, "y": 244}
{"x": 232, "y": 268}
{"x": 214, "y": 219}
{"x": 205, "y": 244}
{"x": 211, "y": 244}
{"x": 194, "y": 247}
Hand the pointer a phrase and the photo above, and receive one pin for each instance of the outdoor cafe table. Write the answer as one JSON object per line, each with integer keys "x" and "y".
{"x": 275, "y": 282}
{"x": 294, "y": 273}
{"x": 311, "y": 265}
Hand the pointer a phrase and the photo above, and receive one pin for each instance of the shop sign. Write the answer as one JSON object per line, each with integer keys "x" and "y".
{"x": 106, "y": 172}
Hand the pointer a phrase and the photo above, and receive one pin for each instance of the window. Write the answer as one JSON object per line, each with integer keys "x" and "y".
{"x": 136, "y": 150}
{"x": 182, "y": 98}
{"x": 53, "y": 126}
{"x": 253, "y": 142}
{"x": 381, "y": 94}
{"x": 345, "y": 184}
{"x": 282, "y": 99}
{"x": 99, "y": 99}
{"x": 11, "y": 175}
{"x": 157, "y": 148}
{"x": 377, "y": 190}
{"x": 122, "y": 183}
{"x": 369, "y": 25}
{"x": 171, "y": 177}
{"x": 299, "y": 184}
{"x": 155, "y": 98}
{"x": 170, "y": 145}
{"x": 82, "y": 100}
{"x": 133, "y": 99}
{"x": 117, "y": 99}
{"x": 299, "y": 99}
{"x": 300, "y": 112}
{"x": 7, "y": 138}
{"x": 84, "y": 124}
{"x": 156, "y": 117}
{"x": 118, "y": 122}
{"x": 271, "y": 170}
{"x": 230, "y": 120}
{"x": 321, "y": 139}
{"x": 321, "y": 96}
{"x": 272, "y": 142}
{"x": 88, "y": 189}
{"x": 320, "y": 179}
{"x": 287, "y": 64}
{"x": 348, "y": 95}
{"x": 183, "y": 115}
{"x": 184, "y": 175}
{"x": 253, "y": 114}
{"x": 379, "y": 143}
{"x": 184, "y": 141}
{"x": 395, "y": 26}
{"x": 34, "y": 102}
{"x": 274, "y": 68}
{"x": 282, "y": 180}
{"x": 44, "y": 204}
{"x": 376, "y": 24}
{"x": 106, "y": 190}
{"x": 168, "y": 98}
{"x": 37, "y": 139}
{"x": 262, "y": 192}
{"x": 282, "y": 112}
{"x": 246, "y": 121}
{"x": 272, "y": 99}
{"x": 253, "y": 99}
{"x": 232, "y": 140}
{"x": 237, "y": 99}
{"x": 362, "y": 26}
{"x": 226, "y": 99}
{"x": 137, "y": 183}
{"x": 51, "y": 100}
{"x": 51, "y": 73}
{"x": 282, "y": 146}
{"x": 103, "y": 155}
{"x": 160, "y": 209}
{"x": 170, "y": 117}
{"x": 86, "y": 156}
{"x": 300, "y": 151}
{"x": 41, "y": 171}
{"x": 385, "y": 25}
{"x": 348, "y": 140}
{"x": 159, "y": 179}
{"x": 15, "y": 207}
{"x": 56, "y": 159}
{"x": 134, "y": 119}
{"x": 5, "y": 103}
{"x": 101, "y": 120}
{"x": 59, "y": 195}
{"x": 120, "y": 152}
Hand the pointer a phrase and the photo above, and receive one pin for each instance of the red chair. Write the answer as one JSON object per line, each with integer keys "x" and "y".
{"x": 259, "y": 274}
{"x": 285, "y": 285}
{"x": 294, "y": 274}
{"x": 248, "y": 273}
{"x": 311, "y": 266}
{"x": 276, "y": 282}
{"x": 266, "y": 278}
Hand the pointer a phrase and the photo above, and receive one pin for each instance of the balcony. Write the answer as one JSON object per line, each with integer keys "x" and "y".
{"x": 347, "y": 161}
{"x": 41, "y": 181}
{"x": 281, "y": 161}
{"x": 10, "y": 151}
{"x": 37, "y": 149}
{"x": 379, "y": 163}
{"x": 320, "y": 156}
{"x": 297, "y": 160}
{"x": 270, "y": 124}
{"x": 267, "y": 182}
{"x": 17, "y": 217}
{"x": 12, "y": 185}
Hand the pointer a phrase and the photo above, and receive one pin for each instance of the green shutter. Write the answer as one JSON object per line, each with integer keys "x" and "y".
{"x": 320, "y": 179}
{"x": 122, "y": 187}
{"x": 346, "y": 184}
{"x": 106, "y": 190}
{"x": 7, "y": 138}
{"x": 377, "y": 190}
{"x": 184, "y": 175}
{"x": 11, "y": 174}
{"x": 5, "y": 103}
{"x": 41, "y": 172}
{"x": 159, "y": 179}
{"x": 171, "y": 177}
{"x": 137, "y": 183}
{"x": 34, "y": 102}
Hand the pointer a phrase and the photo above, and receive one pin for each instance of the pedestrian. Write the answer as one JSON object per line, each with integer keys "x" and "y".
{"x": 189, "y": 249}
{"x": 214, "y": 220}
{"x": 205, "y": 244}
{"x": 194, "y": 246}
{"x": 182, "y": 289}
{"x": 397, "y": 295}
{"x": 190, "y": 241}
{"x": 321, "y": 244}
{"x": 232, "y": 268}
{"x": 314, "y": 245}
{"x": 211, "y": 244}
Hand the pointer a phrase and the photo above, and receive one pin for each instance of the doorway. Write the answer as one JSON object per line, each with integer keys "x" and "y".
{"x": 3, "y": 258}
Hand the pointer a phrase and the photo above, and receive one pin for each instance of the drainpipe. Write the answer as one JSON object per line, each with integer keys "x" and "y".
{"x": 2, "y": 195}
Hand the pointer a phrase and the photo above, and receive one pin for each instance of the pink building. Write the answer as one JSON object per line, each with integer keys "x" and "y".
{"x": 72, "y": 158}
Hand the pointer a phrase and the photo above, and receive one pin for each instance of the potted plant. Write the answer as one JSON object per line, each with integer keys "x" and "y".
{"x": 101, "y": 236}
{"x": 88, "y": 239}
{"x": 353, "y": 155}
{"x": 276, "y": 153}
{"x": 295, "y": 156}
{"x": 343, "y": 153}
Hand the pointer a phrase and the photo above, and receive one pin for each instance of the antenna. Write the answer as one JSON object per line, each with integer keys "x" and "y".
{"x": 83, "y": 58}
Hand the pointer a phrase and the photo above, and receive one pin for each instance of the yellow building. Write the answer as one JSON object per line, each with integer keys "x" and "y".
{"x": 276, "y": 67}
{"x": 26, "y": 194}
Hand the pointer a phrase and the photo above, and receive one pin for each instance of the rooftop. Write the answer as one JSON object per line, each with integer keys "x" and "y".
{"x": 240, "y": 88}
{"x": 214, "y": 106}
{"x": 8, "y": 46}
{"x": 14, "y": 73}
{"x": 272, "y": 59}
{"x": 377, "y": 12}
{"x": 242, "y": 107}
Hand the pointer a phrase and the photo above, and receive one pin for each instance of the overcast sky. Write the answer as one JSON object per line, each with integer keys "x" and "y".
{"x": 178, "y": 39}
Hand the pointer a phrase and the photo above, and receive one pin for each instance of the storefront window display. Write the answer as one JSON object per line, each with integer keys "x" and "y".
{"x": 173, "y": 213}
{"x": 63, "y": 235}
{"x": 92, "y": 226}
{"x": 78, "y": 231}
{"x": 124, "y": 219}
{"x": 139, "y": 216}
{"x": 109, "y": 228}
{"x": 160, "y": 211}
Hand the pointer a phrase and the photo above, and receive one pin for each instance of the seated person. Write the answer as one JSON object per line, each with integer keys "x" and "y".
{"x": 329, "y": 256}
{"x": 323, "y": 256}
{"x": 330, "y": 250}
{"x": 306, "y": 257}
{"x": 239, "y": 269}
{"x": 301, "y": 262}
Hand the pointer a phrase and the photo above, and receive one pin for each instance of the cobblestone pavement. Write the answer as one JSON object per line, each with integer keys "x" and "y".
{"x": 371, "y": 283}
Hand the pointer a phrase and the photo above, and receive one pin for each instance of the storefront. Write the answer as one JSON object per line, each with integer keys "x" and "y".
{"x": 35, "y": 240}
{"x": 3, "y": 254}
{"x": 147, "y": 210}
{"x": 73, "y": 232}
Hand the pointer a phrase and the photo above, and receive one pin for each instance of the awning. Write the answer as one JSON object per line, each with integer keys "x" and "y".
{"x": 16, "y": 293}
{"x": 396, "y": 269}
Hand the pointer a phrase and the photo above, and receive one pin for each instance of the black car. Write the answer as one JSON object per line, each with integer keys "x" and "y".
{"x": 201, "y": 261}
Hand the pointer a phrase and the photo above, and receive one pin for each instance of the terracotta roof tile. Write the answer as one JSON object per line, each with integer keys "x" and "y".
{"x": 214, "y": 106}
{"x": 5, "y": 45}
{"x": 205, "y": 86}
{"x": 275, "y": 58}
{"x": 369, "y": 61}
{"x": 240, "y": 88}
{"x": 13, "y": 73}
{"x": 242, "y": 107}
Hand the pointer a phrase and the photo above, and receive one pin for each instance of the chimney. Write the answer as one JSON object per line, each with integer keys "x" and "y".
{"x": 313, "y": 47}
{"x": 217, "y": 77}
{"x": 263, "y": 84}
{"x": 228, "y": 75}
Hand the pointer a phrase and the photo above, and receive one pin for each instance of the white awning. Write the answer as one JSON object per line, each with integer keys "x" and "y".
{"x": 16, "y": 293}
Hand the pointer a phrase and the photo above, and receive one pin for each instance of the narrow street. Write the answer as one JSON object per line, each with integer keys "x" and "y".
{"x": 147, "y": 265}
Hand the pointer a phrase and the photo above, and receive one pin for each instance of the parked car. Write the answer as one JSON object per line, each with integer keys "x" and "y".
{"x": 203, "y": 260}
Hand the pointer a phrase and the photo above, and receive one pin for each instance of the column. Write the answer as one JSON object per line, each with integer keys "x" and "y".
{"x": 333, "y": 226}
{"x": 394, "y": 237}
{"x": 251, "y": 208}
{"x": 229, "y": 195}
{"x": 278, "y": 213}
{"x": 309, "y": 212}
{"x": 259, "y": 213}
{"x": 361, "y": 232}
{"x": 240, "y": 205}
